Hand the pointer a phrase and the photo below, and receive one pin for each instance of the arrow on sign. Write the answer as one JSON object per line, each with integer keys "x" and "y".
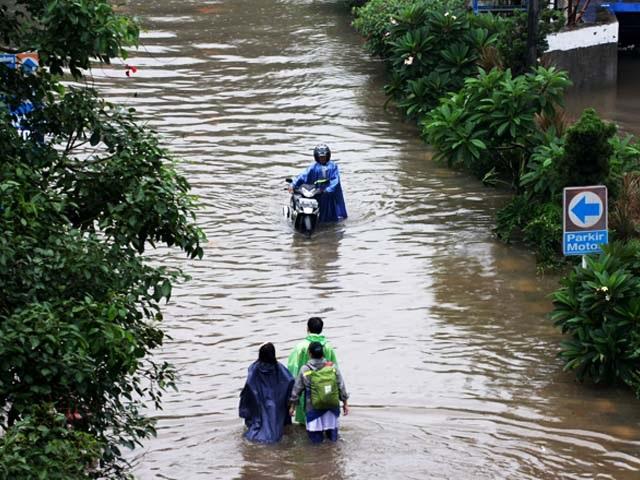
{"x": 582, "y": 209}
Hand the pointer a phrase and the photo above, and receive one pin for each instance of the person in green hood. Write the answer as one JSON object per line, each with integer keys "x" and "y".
{"x": 300, "y": 356}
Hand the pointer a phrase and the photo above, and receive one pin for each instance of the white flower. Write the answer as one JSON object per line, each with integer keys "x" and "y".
{"x": 393, "y": 21}
{"x": 446, "y": 14}
{"x": 454, "y": 17}
{"x": 386, "y": 34}
{"x": 607, "y": 297}
{"x": 408, "y": 60}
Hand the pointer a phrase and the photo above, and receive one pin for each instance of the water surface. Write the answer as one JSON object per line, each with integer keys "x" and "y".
{"x": 440, "y": 330}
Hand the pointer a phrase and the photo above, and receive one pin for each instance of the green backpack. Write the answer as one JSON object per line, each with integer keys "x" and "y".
{"x": 324, "y": 387}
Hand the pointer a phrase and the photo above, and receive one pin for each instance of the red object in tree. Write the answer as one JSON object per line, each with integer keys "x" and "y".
{"x": 130, "y": 69}
{"x": 72, "y": 416}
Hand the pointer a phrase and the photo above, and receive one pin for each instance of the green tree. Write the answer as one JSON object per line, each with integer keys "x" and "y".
{"x": 84, "y": 190}
{"x": 41, "y": 446}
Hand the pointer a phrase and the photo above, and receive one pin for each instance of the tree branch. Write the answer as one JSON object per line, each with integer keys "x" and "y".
{"x": 5, "y": 49}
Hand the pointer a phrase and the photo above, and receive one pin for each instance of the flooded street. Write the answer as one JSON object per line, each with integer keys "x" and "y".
{"x": 440, "y": 330}
{"x": 620, "y": 104}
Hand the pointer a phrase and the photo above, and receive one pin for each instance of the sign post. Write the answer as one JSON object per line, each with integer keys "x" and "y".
{"x": 584, "y": 214}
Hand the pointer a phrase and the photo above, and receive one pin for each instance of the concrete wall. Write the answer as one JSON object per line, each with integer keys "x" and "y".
{"x": 589, "y": 54}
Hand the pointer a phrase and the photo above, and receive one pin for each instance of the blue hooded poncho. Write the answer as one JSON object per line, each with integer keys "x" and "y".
{"x": 264, "y": 401}
{"x": 331, "y": 202}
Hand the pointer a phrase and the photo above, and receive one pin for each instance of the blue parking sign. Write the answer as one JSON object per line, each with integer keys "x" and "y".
{"x": 8, "y": 59}
{"x": 584, "y": 220}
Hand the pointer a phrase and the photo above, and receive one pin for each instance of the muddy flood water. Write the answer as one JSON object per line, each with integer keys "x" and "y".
{"x": 440, "y": 330}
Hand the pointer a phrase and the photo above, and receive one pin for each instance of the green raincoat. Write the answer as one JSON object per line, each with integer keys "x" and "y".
{"x": 299, "y": 357}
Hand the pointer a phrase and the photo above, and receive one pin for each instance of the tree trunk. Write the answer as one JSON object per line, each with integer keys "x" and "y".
{"x": 532, "y": 33}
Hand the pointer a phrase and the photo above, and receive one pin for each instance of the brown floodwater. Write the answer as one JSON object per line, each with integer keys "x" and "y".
{"x": 620, "y": 103}
{"x": 441, "y": 331}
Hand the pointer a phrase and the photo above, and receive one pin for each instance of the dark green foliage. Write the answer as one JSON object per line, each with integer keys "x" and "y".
{"x": 43, "y": 447}
{"x": 512, "y": 41}
{"x": 537, "y": 225}
{"x": 543, "y": 232}
{"x": 84, "y": 191}
{"x": 551, "y": 167}
{"x": 489, "y": 127}
{"x": 543, "y": 177}
{"x": 599, "y": 308}
{"x": 587, "y": 151}
{"x": 67, "y": 33}
{"x": 534, "y": 216}
{"x": 374, "y": 20}
{"x": 512, "y": 217}
{"x": 430, "y": 48}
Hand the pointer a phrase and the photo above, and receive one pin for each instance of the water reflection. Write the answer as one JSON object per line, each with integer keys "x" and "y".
{"x": 319, "y": 256}
{"x": 620, "y": 103}
{"x": 293, "y": 458}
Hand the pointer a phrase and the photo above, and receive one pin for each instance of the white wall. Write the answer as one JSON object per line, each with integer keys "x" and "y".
{"x": 583, "y": 37}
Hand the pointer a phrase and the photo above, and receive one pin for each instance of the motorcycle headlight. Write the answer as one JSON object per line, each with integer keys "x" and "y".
{"x": 308, "y": 192}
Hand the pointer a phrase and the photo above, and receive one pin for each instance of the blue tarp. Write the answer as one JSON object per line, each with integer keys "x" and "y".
{"x": 331, "y": 202}
{"x": 264, "y": 401}
{"x": 28, "y": 66}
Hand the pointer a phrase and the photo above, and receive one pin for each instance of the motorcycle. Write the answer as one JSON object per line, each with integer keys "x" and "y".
{"x": 303, "y": 209}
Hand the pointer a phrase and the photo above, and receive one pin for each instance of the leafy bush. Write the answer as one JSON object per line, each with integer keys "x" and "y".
{"x": 42, "y": 446}
{"x": 542, "y": 178}
{"x": 567, "y": 161}
{"x": 543, "y": 232}
{"x": 489, "y": 127}
{"x": 374, "y": 21}
{"x": 599, "y": 308}
{"x": 84, "y": 191}
{"x": 625, "y": 212}
{"x": 560, "y": 162}
{"x": 430, "y": 47}
{"x": 512, "y": 41}
{"x": 587, "y": 151}
{"x": 537, "y": 225}
{"x": 625, "y": 157}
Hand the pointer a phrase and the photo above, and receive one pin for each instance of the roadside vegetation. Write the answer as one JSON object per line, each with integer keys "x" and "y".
{"x": 462, "y": 78}
{"x": 85, "y": 191}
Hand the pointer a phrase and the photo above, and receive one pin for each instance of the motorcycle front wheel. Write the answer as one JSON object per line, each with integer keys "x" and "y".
{"x": 308, "y": 225}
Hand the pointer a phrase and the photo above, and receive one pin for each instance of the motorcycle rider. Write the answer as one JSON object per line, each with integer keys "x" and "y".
{"x": 331, "y": 201}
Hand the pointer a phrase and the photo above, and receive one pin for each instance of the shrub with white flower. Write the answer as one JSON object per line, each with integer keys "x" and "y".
{"x": 408, "y": 60}
{"x": 598, "y": 307}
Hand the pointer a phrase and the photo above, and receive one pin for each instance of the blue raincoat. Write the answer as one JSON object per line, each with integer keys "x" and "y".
{"x": 331, "y": 202}
{"x": 264, "y": 401}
